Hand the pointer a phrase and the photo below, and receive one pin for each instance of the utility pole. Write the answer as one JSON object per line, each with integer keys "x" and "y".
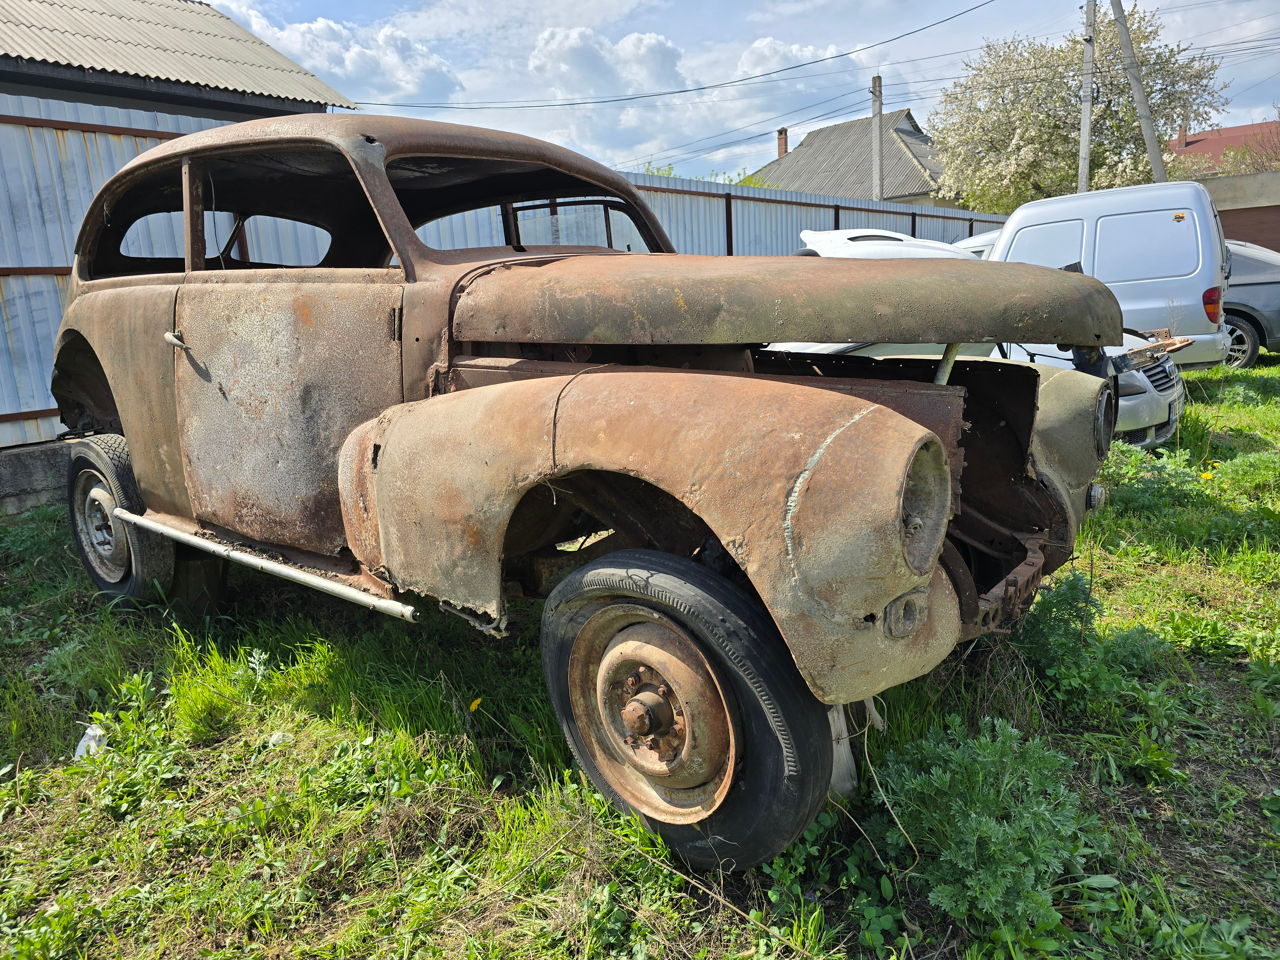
{"x": 877, "y": 141}
{"x": 1086, "y": 97}
{"x": 1139, "y": 95}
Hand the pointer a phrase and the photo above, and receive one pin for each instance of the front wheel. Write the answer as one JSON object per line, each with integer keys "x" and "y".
{"x": 1242, "y": 353}
{"x": 681, "y": 701}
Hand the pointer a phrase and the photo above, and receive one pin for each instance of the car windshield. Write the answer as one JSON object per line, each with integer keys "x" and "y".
{"x": 459, "y": 203}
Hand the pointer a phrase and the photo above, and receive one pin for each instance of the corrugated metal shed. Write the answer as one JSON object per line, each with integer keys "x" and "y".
{"x": 177, "y": 40}
{"x": 837, "y": 160}
{"x": 54, "y": 157}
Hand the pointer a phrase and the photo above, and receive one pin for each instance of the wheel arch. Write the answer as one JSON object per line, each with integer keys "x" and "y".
{"x": 1250, "y": 316}
{"x": 81, "y": 388}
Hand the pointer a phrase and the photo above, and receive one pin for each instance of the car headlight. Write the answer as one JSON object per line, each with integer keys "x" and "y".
{"x": 926, "y": 505}
{"x": 1104, "y": 419}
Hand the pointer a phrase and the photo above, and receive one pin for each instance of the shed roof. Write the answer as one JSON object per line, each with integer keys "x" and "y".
{"x": 837, "y": 160}
{"x": 181, "y": 41}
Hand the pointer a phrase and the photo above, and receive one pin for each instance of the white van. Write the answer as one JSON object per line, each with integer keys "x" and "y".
{"x": 1158, "y": 247}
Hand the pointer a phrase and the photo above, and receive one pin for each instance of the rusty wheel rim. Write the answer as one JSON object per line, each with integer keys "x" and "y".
{"x": 101, "y": 534}
{"x": 654, "y": 715}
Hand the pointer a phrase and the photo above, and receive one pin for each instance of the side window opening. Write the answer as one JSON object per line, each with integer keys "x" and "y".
{"x": 288, "y": 209}
{"x": 284, "y": 209}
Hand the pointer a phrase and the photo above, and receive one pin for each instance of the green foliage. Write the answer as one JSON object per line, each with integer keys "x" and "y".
{"x": 828, "y": 860}
{"x": 992, "y": 821}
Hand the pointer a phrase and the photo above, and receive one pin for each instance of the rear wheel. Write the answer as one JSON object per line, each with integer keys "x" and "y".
{"x": 120, "y": 558}
{"x": 1243, "y": 351}
{"x": 681, "y": 701}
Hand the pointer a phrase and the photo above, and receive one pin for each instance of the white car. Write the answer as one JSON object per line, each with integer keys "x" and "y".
{"x": 1148, "y": 384}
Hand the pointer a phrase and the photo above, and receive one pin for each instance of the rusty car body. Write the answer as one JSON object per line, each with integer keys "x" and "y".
{"x": 394, "y": 359}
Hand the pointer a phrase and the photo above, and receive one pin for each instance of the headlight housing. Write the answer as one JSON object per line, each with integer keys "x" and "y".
{"x": 925, "y": 506}
{"x": 1104, "y": 419}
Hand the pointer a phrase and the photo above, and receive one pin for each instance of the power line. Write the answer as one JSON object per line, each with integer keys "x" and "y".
{"x": 535, "y": 105}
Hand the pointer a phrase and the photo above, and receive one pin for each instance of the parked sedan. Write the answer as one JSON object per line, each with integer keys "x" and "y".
{"x": 1252, "y": 306}
{"x": 1149, "y": 386}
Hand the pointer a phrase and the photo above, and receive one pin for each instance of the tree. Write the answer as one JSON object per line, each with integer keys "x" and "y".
{"x": 1009, "y": 131}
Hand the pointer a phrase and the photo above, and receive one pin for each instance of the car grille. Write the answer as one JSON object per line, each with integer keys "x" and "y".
{"x": 1163, "y": 376}
{"x": 1134, "y": 437}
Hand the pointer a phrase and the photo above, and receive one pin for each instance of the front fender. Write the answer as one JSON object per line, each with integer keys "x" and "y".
{"x": 804, "y": 487}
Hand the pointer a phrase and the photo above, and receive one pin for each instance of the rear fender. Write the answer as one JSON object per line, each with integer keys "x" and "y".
{"x": 803, "y": 487}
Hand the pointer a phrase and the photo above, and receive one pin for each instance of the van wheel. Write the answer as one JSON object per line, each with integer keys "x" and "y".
{"x": 121, "y": 559}
{"x": 681, "y": 702}
{"x": 1243, "y": 351}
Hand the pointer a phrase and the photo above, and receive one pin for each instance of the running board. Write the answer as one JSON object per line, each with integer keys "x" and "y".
{"x": 354, "y": 594}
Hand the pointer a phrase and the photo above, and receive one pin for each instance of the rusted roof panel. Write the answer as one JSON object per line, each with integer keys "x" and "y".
{"x": 177, "y": 40}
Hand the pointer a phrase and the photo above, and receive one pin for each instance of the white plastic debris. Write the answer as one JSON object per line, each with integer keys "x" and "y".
{"x": 278, "y": 738}
{"x": 94, "y": 739}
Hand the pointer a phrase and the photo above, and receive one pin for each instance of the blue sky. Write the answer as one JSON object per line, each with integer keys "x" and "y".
{"x": 462, "y": 53}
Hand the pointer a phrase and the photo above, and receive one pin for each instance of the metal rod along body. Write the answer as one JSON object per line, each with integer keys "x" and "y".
{"x": 402, "y": 610}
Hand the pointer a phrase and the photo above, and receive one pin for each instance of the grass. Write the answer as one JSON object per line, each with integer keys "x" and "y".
{"x": 300, "y": 778}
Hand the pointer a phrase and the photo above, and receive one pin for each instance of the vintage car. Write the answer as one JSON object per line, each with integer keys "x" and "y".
{"x": 398, "y": 360}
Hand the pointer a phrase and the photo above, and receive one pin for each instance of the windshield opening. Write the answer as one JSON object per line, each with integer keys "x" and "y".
{"x": 457, "y": 203}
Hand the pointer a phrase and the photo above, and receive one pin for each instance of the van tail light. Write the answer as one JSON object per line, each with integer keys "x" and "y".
{"x": 1212, "y": 301}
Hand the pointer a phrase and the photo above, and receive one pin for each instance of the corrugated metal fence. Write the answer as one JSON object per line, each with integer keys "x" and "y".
{"x": 723, "y": 219}
{"x": 55, "y": 155}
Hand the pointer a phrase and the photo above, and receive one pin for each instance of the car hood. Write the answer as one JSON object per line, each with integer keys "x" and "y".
{"x": 684, "y": 299}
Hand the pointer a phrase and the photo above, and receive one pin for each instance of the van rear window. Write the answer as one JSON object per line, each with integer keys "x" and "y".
{"x": 1049, "y": 244}
{"x": 1151, "y": 245}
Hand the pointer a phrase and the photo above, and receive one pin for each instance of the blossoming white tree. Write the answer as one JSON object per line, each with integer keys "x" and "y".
{"x": 1008, "y": 132}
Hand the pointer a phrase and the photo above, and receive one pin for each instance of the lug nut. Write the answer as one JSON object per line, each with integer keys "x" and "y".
{"x": 633, "y": 681}
{"x": 663, "y": 690}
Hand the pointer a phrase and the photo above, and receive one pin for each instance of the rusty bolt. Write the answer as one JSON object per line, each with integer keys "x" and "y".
{"x": 630, "y": 741}
{"x": 633, "y": 681}
{"x": 641, "y": 669}
{"x": 663, "y": 690}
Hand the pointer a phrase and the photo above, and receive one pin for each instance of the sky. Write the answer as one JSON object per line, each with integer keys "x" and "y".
{"x": 488, "y": 64}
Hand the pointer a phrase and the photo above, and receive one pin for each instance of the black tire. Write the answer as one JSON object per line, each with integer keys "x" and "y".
{"x": 121, "y": 559}
{"x": 1243, "y": 352}
{"x": 669, "y": 625}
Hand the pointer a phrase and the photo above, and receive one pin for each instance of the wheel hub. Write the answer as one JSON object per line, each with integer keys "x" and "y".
{"x": 105, "y": 543}
{"x": 655, "y": 717}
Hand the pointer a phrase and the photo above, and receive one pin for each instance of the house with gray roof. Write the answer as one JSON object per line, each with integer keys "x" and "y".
{"x": 85, "y": 86}
{"x": 837, "y": 160}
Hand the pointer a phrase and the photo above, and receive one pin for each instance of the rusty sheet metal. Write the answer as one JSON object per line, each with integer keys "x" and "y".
{"x": 1012, "y": 596}
{"x": 702, "y": 300}
{"x": 140, "y": 376}
{"x": 805, "y": 494}
{"x": 936, "y": 408}
{"x": 276, "y": 375}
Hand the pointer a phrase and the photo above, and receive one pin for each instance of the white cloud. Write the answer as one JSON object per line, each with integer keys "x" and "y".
{"x": 374, "y": 62}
